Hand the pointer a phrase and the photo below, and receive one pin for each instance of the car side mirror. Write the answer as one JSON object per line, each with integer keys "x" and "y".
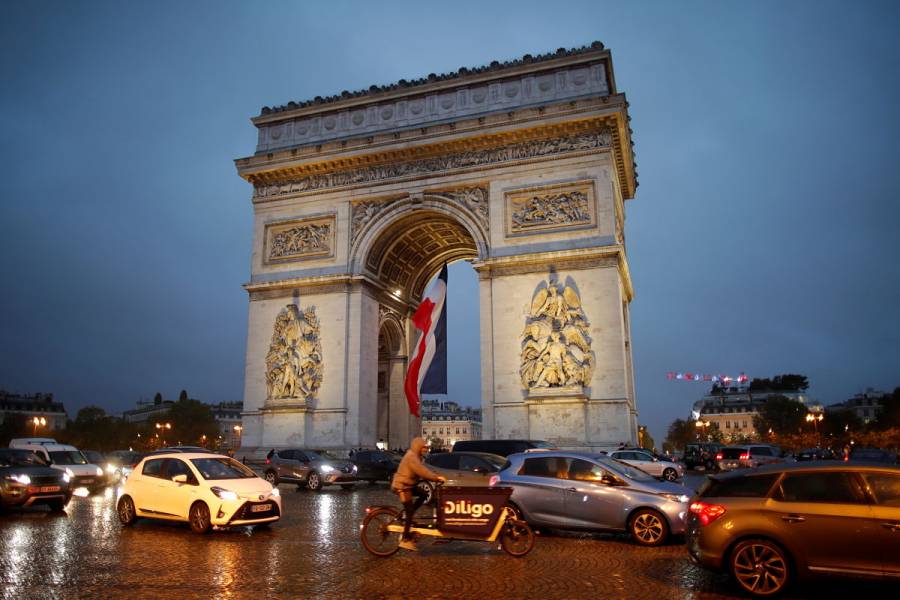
{"x": 181, "y": 478}
{"x": 608, "y": 480}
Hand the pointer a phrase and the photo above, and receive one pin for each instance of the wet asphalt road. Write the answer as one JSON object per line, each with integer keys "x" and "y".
{"x": 314, "y": 552}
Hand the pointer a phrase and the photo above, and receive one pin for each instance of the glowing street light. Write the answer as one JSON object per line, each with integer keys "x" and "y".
{"x": 815, "y": 419}
{"x": 37, "y": 422}
{"x": 237, "y": 431}
{"x": 161, "y": 429}
{"x": 700, "y": 424}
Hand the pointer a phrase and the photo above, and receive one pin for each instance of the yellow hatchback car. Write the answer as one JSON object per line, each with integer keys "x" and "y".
{"x": 203, "y": 489}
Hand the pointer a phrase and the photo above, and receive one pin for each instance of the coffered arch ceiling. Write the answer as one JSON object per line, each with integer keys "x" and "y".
{"x": 412, "y": 250}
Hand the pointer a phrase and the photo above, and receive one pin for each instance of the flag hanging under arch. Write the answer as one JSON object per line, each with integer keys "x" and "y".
{"x": 427, "y": 372}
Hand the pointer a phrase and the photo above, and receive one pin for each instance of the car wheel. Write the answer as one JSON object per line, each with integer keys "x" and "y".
{"x": 199, "y": 518}
{"x": 272, "y": 477}
{"x": 427, "y": 491}
{"x": 670, "y": 474}
{"x": 313, "y": 482}
{"x": 648, "y": 527}
{"x": 57, "y": 506}
{"x": 125, "y": 510}
{"x": 759, "y": 567}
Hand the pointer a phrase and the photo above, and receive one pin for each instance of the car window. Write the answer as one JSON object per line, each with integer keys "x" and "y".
{"x": 221, "y": 468}
{"x": 363, "y": 456}
{"x": 757, "y": 486}
{"x": 827, "y": 486}
{"x": 550, "y": 466}
{"x": 624, "y": 469}
{"x": 642, "y": 456}
{"x": 582, "y": 470}
{"x": 444, "y": 460}
{"x": 885, "y": 487}
{"x": 153, "y": 468}
{"x": 760, "y": 451}
{"x": 285, "y": 454}
{"x": 20, "y": 458}
{"x": 175, "y": 467}
{"x": 495, "y": 461}
{"x": 68, "y": 457}
{"x": 732, "y": 453}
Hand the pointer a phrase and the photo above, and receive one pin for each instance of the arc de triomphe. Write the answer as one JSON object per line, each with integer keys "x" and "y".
{"x": 521, "y": 168}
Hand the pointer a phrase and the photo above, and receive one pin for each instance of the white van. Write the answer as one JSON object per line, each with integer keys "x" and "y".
{"x": 65, "y": 458}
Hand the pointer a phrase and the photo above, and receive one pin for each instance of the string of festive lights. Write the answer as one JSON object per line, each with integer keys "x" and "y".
{"x": 726, "y": 379}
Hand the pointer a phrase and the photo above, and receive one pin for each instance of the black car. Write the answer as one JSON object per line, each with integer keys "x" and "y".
{"x": 815, "y": 454}
{"x": 26, "y": 480}
{"x": 873, "y": 455}
{"x": 701, "y": 455}
{"x": 501, "y": 447}
{"x": 375, "y": 465}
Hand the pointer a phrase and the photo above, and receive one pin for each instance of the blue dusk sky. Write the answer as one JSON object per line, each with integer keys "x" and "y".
{"x": 762, "y": 239}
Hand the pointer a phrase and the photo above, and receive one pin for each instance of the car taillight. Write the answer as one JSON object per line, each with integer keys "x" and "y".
{"x": 719, "y": 456}
{"x": 268, "y": 461}
{"x": 494, "y": 480}
{"x": 745, "y": 456}
{"x": 707, "y": 513}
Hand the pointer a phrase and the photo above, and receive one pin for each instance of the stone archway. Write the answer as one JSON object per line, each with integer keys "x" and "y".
{"x": 522, "y": 169}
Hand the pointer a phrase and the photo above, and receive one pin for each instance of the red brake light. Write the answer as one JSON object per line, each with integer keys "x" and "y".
{"x": 707, "y": 513}
{"x": 268, "y": 461}
{"x": 494, "y": 480}
{"x": 719, "y": 456}
{"x": 745, "y": 456}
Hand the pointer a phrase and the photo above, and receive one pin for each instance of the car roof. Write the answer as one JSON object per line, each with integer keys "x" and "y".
{"x": 470, "y": 453}
{"x": 821, "y": 465}
{"x": 182, "y": 454}
{"x": 559, "y": 454}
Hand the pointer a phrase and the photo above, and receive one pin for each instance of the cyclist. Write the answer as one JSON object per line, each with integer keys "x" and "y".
{"x": 410, "y": 471}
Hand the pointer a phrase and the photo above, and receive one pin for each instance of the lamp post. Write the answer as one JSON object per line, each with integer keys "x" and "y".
{"x": 815, "y": 419}
{"x": 37, "y": 422}
{"x": 704, "y": 425}
{"x": 161, "y": 429}
{"x": 237, "y": 431}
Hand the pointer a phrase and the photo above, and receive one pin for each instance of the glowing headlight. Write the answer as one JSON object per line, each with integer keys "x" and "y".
{"x": 327, "y": 468}
{"x": 23, "y": 479}
{"x": 99, "y": 472}
{"x": 354, "y": 468}
{"x": 275, "y": 492}
{"x": 110, "y": 468}
{"x": 223, "y": 493}
{"x": 66, "y": 477}
{"x": 677, "y": 497}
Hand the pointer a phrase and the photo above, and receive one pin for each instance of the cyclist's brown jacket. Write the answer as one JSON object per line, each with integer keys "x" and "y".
{"x": 411, "y": 468}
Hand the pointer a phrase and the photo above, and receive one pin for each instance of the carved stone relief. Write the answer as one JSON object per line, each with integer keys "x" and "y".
{"x": 299, "y": 239}
{"x": 362, "y": 213}
{"x": 556, "y": 347}
{"x": 475, "y": 199}
{"x": 294, "y": 361}
{"x": 413, "y": 168}
{"x": 543, "y": 209}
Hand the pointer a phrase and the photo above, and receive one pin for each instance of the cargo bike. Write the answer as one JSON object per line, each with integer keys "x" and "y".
{"x": 478, "y": 514}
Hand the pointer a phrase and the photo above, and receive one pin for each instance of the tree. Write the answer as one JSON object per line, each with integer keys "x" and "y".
{"x": 645, "y": 439}
{"x": 780, "y": 414}
{"x": 14, "y": 425}
{"x": 157, "y": 399}
{"x": 680, "y": 433}
{"x": 183, "y": 396}
{"x": 839, "y": 422}
{"x": 889, "y": 415}
{"x": 780, "y": 383}
{"x": 191, "y": 420}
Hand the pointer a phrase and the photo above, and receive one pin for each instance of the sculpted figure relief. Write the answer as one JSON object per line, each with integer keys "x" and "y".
{"x": 303, "y": 239}
{"x": 294, "y": 361}
{"x": 556, "y": 348}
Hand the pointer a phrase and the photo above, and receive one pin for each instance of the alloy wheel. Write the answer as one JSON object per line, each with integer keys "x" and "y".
{"x": 648, "y": 528}
{"x": 760, "y": 567}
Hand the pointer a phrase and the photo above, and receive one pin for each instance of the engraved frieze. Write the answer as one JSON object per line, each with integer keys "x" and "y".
{"x": 556, "y": 348}
{"x": 413, "y": 168}
{"x": 294, "y": 361}
{"x": 362, "y": 213}
{"x": 299, "y": 239}
{"x": 543, "y": 209}
{"x": 475, "y": 199}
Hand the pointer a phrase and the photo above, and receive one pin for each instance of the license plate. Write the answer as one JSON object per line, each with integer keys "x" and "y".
{"x": 50, "y": 488}
{"x": 260, "y": 507}
{"x": 87, "y": 481}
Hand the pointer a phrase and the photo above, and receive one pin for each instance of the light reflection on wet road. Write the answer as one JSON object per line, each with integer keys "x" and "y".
{"x": 314, "y": 552}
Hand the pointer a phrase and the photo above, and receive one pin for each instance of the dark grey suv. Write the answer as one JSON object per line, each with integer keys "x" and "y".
{"x": 311, "y": 468}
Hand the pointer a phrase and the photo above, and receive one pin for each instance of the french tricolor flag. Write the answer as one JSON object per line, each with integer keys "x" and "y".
{"x": 427, "y": 373}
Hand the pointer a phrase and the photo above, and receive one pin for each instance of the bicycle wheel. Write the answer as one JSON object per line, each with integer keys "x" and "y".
{"x": 517, "y": 538}
{"x": 375, "y": 535}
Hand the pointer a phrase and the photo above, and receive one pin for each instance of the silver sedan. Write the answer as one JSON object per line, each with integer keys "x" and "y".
{"x": 646, "y": 462}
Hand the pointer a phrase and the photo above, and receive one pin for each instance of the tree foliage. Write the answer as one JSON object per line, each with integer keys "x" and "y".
{"x": 889, "y": 415}
{"x": 680, "y": 433}
{"x": 780, "y": 414}
{"x": 14, "y": 425}
{"x": 191, "y": 420}
{"x": 780, "y": 383}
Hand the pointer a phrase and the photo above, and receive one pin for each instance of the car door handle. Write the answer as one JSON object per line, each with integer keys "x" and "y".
{"x": 793, "y": 518}
{"x": 573, "y": 490}
{"x": 891, "y": 526}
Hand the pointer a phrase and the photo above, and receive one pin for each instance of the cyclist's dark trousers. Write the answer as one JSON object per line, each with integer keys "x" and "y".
{"x": 410, "y": 508}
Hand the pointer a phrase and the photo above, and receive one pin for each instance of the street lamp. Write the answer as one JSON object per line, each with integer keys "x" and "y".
{"x": 700, "y": 424}
{"x": 815, "y": 419}
{"x": 161, "y": 428}
{"x": 237, "y": 431}
{"x": 38, "y": 422}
